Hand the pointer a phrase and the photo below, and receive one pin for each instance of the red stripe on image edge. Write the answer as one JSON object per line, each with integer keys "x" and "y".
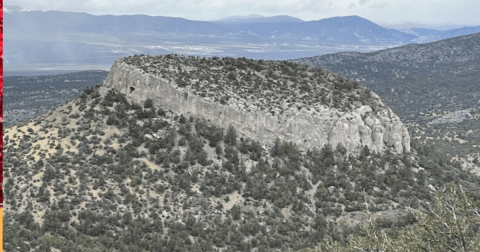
{"x": 1, "y": 103}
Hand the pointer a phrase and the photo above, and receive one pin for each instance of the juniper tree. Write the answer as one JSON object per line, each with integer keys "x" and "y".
{"x": 231, "y": 136}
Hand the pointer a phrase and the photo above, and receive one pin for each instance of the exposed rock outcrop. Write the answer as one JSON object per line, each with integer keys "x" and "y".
{"x": 378, "y": 130}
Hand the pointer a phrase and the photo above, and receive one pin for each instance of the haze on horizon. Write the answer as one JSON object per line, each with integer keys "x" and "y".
{"x": 426, "y": 12}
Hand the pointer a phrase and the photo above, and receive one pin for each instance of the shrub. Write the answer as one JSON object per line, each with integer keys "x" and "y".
{"x": 148, "y": 103}
{"x": 161, "y": 112}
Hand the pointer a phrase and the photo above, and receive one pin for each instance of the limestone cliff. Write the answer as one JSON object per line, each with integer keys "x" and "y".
{"x": 354, "y": 128}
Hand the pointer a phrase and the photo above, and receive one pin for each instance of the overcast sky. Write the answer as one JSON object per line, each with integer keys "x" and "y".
{"x": 463, "y": 12}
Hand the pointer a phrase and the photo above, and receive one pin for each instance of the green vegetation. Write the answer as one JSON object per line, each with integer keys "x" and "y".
{"x": 158, "y": 181}
{"x": 262, "y": 83}
{"x": 452, "y": 224}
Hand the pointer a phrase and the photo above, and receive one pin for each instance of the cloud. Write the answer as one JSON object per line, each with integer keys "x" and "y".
{"x": 352, "y": 6}
{"x": 362, "y": 2}
{"x": 379, "y": 5}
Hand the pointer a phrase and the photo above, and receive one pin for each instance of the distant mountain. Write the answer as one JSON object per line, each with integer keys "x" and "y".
{"x": 81, "y": 38}
{"x": 440, "y": 76}
{"x": 347, "y": 29}
{"x": 39, "y": 22}
{"x": 258, "y": 19}
{"x": 462, "y": 50}
{"x": 404, "y": 26}
{"x": 430, "y": 35}
{"x": 410, "y": 26}
{"x": 444, "y": 27}
{"x": 350, "y": 29}
{"x": 425, "y": 31}
{"x": 36, "y": 37}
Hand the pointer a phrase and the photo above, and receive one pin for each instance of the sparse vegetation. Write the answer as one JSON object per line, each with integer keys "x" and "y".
{"x": 262, "y": 83}
{"x": 141, "y": 178}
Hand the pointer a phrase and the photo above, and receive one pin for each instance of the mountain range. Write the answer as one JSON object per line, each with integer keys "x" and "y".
{"x": 40, "y": 37}
{"x": 350, "y": 29}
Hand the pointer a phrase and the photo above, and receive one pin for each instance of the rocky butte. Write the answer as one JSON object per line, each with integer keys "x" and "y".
{"x": 263, "y": 100}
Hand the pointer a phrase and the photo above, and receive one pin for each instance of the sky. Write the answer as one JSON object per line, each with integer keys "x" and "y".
{"x": 427, "y": 12}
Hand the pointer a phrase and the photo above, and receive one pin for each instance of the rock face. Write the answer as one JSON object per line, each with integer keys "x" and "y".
{"x": 378, "y": 130}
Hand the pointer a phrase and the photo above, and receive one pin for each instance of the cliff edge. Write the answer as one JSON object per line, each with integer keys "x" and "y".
{"x": 354, "y": 127}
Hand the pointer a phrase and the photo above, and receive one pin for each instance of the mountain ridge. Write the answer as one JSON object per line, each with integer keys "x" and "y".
{"x": 83, "y": 22}
{"x": 57, "y": 21}
{"x": 372, "y": 125}
{"x": 463, "y": 50}
{"x": 35, "y": 37}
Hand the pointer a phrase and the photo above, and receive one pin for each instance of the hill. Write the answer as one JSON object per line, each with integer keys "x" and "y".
{"x": 264, "y": 100}
{"x": 433, "y": 87}
{"x": 438, "y": 76}
{"x": 109, "y": 170}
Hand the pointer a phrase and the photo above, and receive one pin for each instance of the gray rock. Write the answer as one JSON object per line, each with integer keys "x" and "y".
{"x": 378, "y": 130}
